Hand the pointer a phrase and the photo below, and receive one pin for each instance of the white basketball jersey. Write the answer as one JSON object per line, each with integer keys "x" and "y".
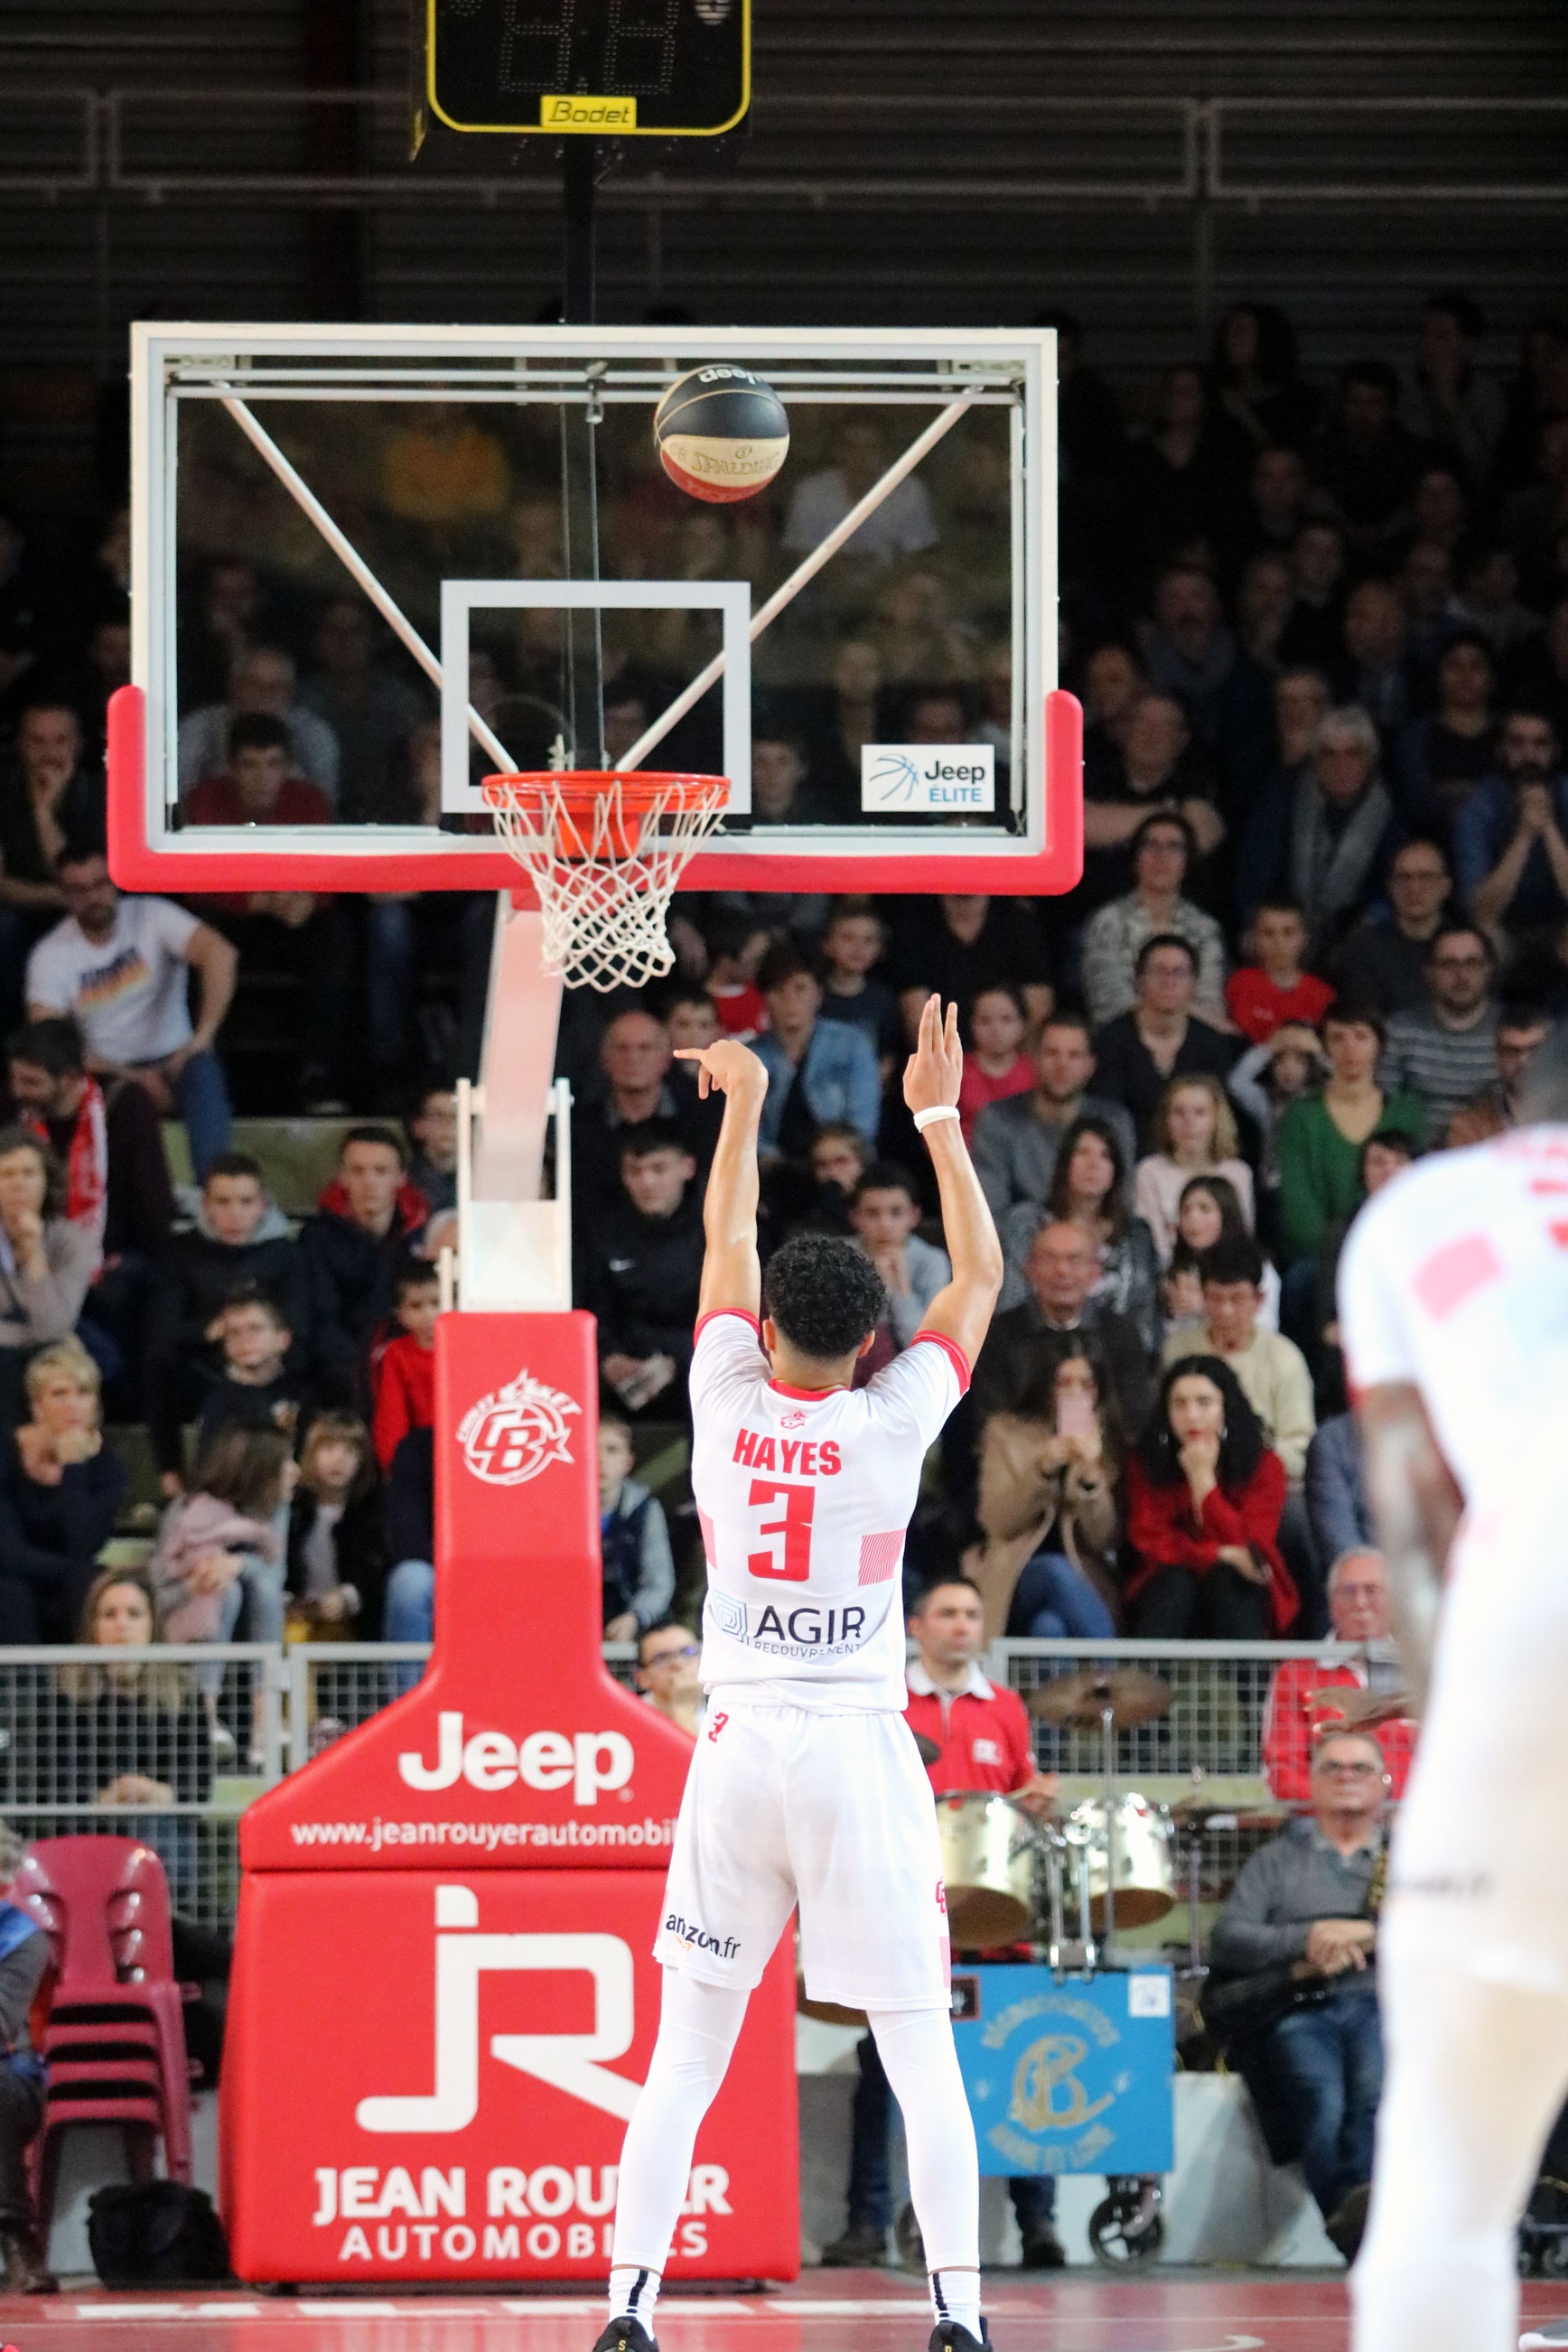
{"x": 1455, "y": 1278}
{"x": 804, "y": 1500}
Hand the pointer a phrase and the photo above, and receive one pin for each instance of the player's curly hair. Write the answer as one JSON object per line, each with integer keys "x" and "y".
{"x": 825, "y": 1295}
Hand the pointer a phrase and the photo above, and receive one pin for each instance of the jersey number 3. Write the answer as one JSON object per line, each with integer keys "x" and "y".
{"x": 788, "y": 1538}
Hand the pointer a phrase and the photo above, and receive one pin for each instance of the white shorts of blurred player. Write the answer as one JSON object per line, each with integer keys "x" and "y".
{"x": 786, "y": 1805}
{"x": 1473, "y": 1944}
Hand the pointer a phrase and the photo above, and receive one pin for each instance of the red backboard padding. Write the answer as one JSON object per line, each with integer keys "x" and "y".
{"x": 444, "y": 1993}
{"x": 136, "y": 865}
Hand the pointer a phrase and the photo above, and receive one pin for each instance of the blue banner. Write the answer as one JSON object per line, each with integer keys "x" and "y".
{"x": 1065, "y": 2074}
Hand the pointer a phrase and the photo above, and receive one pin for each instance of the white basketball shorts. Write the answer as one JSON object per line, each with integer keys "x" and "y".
{"x": 1480, "y": 1871}
{"x": 831, "y": 1811}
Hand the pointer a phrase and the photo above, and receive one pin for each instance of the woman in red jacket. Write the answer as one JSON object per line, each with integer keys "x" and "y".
{"x": 1203, "y": 1500}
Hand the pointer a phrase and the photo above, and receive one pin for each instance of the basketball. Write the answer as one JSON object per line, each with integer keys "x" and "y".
{"x": 722, "y": 433}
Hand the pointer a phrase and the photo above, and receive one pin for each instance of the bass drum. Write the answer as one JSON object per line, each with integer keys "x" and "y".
{"x": 1145, "y": 1859}
{"x": 988, "y": 1861}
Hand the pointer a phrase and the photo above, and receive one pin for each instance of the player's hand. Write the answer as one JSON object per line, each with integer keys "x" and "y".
{"x": 935, "y": 1068}
{"x": 725, "y": 1067}
{"x": 1038, "y": 1797}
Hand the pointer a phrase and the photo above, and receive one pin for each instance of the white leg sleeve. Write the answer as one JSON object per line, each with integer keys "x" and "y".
{"x": 698, "y": 2028}
{"x": 1476, "y": 2072}
{"x": 915, "y": 2046}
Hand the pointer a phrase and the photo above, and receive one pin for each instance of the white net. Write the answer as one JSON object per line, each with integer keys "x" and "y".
{"x": 605, "y": 853}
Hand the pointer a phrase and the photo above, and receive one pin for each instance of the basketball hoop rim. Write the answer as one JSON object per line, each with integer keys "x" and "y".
{"x": 582, "y": 789}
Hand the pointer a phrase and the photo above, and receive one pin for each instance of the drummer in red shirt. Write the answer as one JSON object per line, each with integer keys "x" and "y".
{"x": 982, "y": 1732}
{"x": 983, "y": 1736}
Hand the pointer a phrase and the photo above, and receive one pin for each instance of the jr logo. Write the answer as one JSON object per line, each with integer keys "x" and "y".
{"x": 516, "y": 1432}
{"x": 572, "y": 2061}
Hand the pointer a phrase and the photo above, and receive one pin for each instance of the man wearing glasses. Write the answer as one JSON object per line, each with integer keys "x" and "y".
{"x": 1308, "y": 1901}
{"x": 1447, "y": 1054}
{"x": 1383, "y": 960}
{"x": 667, "y": 1656}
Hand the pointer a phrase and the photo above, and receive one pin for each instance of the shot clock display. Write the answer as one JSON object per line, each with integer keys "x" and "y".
{"x": 597, "y": 69}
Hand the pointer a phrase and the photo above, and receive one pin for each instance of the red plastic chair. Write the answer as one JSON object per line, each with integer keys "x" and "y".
{"x": 115, "y": 2041}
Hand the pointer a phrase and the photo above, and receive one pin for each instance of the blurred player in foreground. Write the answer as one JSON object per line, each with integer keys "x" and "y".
{"x": 1454, "y": 1306}
{"x": 807, "y": 1786}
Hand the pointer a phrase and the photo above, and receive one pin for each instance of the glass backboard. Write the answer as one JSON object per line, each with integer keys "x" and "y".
{"x": 416, "y": 545}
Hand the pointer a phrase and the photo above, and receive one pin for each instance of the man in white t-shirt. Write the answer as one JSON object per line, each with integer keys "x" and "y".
{"x": 120, "y": 968}
{"x": 806, "y": 1787}
{"x": 1454, "y": 1308}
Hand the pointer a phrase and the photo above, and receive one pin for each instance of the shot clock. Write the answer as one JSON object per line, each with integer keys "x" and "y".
{"x": 591, "y": 68}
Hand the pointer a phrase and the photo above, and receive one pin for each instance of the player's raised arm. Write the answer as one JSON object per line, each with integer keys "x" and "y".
{"x": 1416, "y": 1507}
{"x": 962, "y": 1312}
{"x": 731, "y": 1270}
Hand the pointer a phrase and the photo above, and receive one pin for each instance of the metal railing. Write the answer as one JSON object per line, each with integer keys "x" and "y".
{"x": 166, "y": 1745}
{"x": 155, "y": 146}
{"x": 1214, "y": 1728}
{"x": 1203, "y": 1761}
{"x": 82, "y": 1733}
{"x": 333, "y": 1686}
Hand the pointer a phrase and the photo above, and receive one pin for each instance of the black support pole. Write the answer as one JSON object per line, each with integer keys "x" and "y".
{"x": 579, "y": 291}
{"x": 579, "y": 464}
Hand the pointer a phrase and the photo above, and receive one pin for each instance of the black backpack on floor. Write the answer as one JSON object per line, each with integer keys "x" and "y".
{"x": 156, "y": 2233}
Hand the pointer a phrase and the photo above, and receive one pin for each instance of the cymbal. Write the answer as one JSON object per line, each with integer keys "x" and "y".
{"x": 927, "y": 1750}
{"x": 1360, "y": 1710}
{"x": 1195, "y": 1815}
{"x": 1081, "y": 1701}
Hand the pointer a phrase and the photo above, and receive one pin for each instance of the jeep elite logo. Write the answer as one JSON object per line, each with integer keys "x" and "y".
{"x": 950, "y": 776}
{"x": 510, "y": 1436}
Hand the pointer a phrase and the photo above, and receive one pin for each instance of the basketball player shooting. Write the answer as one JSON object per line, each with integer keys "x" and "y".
{"x": 806, "y": 1789}
{"x": 1454, "y": 1306}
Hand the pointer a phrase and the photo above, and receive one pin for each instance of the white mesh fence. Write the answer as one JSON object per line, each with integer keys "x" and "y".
{"x": 171, "y": 1745}
{"x": 164, "y": 1744}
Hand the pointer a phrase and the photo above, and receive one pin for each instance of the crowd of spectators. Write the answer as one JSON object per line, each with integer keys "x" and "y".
{"x": 1319, "y": 630}
{"x": 1321, "y": 634}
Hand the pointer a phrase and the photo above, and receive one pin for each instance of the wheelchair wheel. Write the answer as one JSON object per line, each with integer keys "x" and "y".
{"x": 1544, "y": 2231}
{"x": 1125, "y": 2231}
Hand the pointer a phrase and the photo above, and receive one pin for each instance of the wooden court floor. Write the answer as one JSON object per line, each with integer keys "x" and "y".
{"x": 839, "y": 2311}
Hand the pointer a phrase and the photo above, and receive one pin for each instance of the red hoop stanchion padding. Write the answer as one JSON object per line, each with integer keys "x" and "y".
{"x": 604, "y": 852}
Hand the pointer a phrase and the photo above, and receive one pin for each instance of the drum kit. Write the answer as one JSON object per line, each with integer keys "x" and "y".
{"x": 1012, "y": 1879}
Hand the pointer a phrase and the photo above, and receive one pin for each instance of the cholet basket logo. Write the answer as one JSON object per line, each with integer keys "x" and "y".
{"x": 516, "y": 1432}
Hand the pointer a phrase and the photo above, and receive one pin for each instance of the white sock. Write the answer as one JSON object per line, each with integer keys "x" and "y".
{"x": 698, "y": 2027}
{"x": 633, "y": 2293}
{"x": 955, "y": 2296}
{"x": 915, "y": 2046}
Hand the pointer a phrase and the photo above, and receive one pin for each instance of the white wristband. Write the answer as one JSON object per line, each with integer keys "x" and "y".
{"x": 924, "y": 1118}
